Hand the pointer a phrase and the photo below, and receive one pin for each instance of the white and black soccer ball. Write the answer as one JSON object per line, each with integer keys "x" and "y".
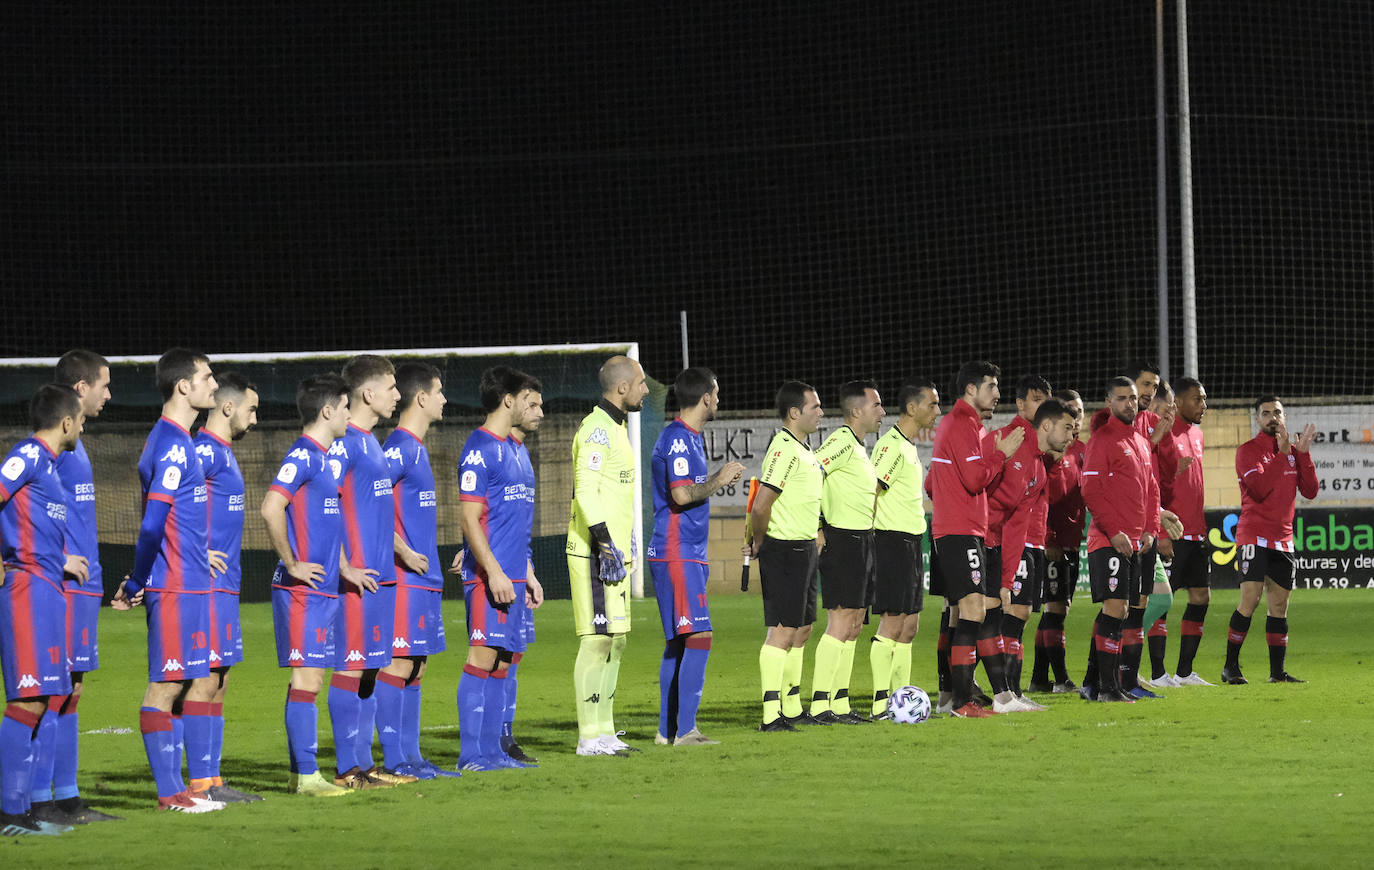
{"x": 909, "y": 704}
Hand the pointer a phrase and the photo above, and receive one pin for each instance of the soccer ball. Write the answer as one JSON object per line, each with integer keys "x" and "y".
{"x": 909, "y": 704}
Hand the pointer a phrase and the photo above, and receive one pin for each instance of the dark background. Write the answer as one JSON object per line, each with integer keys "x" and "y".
{"x": 830, "y": 190}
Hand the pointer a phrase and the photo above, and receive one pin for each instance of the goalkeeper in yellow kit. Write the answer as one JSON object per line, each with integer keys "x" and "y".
{"x": 601, "y": 550}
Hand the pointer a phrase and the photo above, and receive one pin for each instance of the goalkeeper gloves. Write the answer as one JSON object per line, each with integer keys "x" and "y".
{"x": 610, "y": 563}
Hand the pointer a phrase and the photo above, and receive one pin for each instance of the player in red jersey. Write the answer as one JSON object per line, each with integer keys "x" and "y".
{"x": 965, "y": 461}
{"x": 1273, "y": 470}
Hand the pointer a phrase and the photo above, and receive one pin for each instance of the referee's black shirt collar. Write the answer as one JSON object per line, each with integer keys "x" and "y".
{"x": 612, "y": 411}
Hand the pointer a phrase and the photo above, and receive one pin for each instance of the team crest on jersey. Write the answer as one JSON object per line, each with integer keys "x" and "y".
{"x": 171, "y": 478}
{"x": 1111, "y": 583}
{"x": 299, "y": 453}
{"x": 468, "y": 482}
{"x": 287, "y": 474}
{"x": 680, "y": 466}
{"x": 1292, "y": 460}
{"x": 1126, "y": 451}
{"x": 14, "y": 466}
{"x": 679, "y": 446}
{"x": 598, "y": 436}
{"x": 176, "y": 453}
{"x": 1016, "y": 465}
{"x": 594, "y": 460}
{"x": 474, "y": 457}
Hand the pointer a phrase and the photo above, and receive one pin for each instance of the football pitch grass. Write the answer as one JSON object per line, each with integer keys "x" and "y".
{"x": 1257, "y": 775}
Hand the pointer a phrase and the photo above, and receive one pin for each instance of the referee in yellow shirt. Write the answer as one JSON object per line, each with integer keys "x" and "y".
{"x": 783, "y": 523}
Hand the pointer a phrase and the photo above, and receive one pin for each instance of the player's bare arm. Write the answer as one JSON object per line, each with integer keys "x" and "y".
{"x": 416, "y": 563}
{"x": 501, "y": 587}
{"x": 727, "y": 474}
{"x": 274, "y": 515}
{"x": 758, "y": 520}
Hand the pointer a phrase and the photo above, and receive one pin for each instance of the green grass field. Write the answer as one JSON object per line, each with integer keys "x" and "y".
{"x": 1257, "y": 775}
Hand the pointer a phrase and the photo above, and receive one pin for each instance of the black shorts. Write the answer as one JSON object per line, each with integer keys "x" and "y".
{"x": 897, "y": 580}
{"x": 936, "y": 579}
{"x": 1146, "y": 578}
{"x": 1113, "y": 576}
{"x": 846, "y": 568}
{"x": 1260, "y": 563}
{"x": 1030, "y": 576}
{"x": 963, "y": 567}
{"x": 787, "y": 577}
{"x": 1191, "y": 567}
{"x": 1060, "y": 580}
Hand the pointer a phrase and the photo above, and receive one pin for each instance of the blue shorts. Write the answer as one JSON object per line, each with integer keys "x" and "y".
{"x": 364, "y": 627}
{"x": 83, "y": 642}
{"x": 529, "y": 627}
{"x": 226, "y": 633}
{"x": 33, "y": 637}
{"x": 303, "y": 622}
{"x": 680, "y": 588}
{"x": 500, "y": 626}
{"x": 178, "y": 635}
{"x": 419, "y": 622}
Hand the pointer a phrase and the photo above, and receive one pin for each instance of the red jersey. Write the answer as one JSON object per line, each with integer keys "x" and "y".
{"x": 1066, "y": 515}
{"x": 963, "y": 463}
{"x": 1119, "y": 487}
{"x": 1183, "y": 492}
{"x": 1014, "y": 499}
{"x": 1269, "y": 487}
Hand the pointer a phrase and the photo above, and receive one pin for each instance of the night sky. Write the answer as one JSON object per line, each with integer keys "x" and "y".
{"x": 840, "y": 190}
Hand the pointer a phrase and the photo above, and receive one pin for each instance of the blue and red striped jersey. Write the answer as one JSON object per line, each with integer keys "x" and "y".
{"x": 225, "y": 482}
{"x": 680, "y": 531}
{"x": 33, "y": 518}
{"x": 416, "y": 506}
{"x": 314, "y": 524}
{"x": 78, "y": 482}
{"x": 496, "y": 473}
{"x": 369, "y": 512}
{"x": 170, "y": 472}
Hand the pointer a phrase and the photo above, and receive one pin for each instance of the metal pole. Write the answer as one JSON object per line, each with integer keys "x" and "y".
{"x": 682, "y": 316}
{"x": 1161, "y": 196}
{"x": 637, "y": 550}
{"x": 1185, "y": 198}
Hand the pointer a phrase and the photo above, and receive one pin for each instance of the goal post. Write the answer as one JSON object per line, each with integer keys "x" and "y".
{"x": 569, "y": 373}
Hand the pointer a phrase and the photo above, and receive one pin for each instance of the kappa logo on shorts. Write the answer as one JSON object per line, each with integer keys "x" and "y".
{"x": 214, "y": 656}
{"x": 28, "y": 682}
{"x": 399, "y": 643}
{"x": 172, "y": 665}
{"x": 477, "y": 635}
{"x": 683, "y": 621}
{"x": 599, "y": 619}
{"x": 353, "y": 656}
{"x": 295, "y": 656}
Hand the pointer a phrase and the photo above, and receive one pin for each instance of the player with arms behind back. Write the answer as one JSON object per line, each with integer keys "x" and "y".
{"x": 171, "y": 577}
{"x": 33, "y": 606}
{"x": 1273, "y": 469}
{"x": 305, "y": 526}
{"x": 682, "y": 486}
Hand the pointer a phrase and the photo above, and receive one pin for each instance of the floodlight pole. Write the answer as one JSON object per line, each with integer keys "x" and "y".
{"x": 637, "y": 548}
{"x": 682, "y": 317}
{"x": 1185, "y": 198}
{"x": 1161, "y": 196}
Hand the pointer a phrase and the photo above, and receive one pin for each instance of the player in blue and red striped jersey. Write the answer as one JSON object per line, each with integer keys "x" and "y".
{"x": 304, "y": 524}
{"x": 366, "y": 621}
{"x": 419, "y": 626}
{"x": 171, "y": 577}
{"x": 497, "y": 493}
{"x": 33, "y": 606}
{"x": 682, "y": 486}
{"x": 234, "y": 414}
{"x": 55, "y": 795}
{"x": 509, "y": 745}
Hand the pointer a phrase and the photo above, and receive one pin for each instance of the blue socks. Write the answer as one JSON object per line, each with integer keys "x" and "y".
{"x": 17, "y": 729}
{"x": 691, "y": 680}
{"x": 64, "y": 762}
{"x": 472, "y": 688}
{"x": 160, "y": 744}
{"x": 367, "y": 723}
{"x": 44, "y": 753}
{"x": 389, "y": 696}
{"x": 493, "y": 716}
{"x": 667, "y": 688}
{"x": 410, "y": 722}
{"x": 344, "y": 709}
{"x": 198, "y": 721}
{"x": 302, "y": 723}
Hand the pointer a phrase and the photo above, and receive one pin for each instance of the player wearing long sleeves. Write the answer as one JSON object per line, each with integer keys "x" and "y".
{"x": 55, "y": 795}
{"x": 682, "y": 486}
{"x": 783, "y": 526}
{"x": 1273, "y": 470}
{"x": 1063, "y": 540}
{"x": 601, "y": 550}
{"x": 234, "y": 414}
{"x": 899, "y": 523}
{"x": 171, "y": 578}
{"x": 33, "y": 607}
{"x": 305, "y": 526}
{"x": 965, "y": 461}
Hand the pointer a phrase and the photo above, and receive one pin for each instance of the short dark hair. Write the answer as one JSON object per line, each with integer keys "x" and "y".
{"x": 911, "y": 391}
{"x": 1184, "y": 384}
{"x": 176, "y": 365}
{"x": 852, "y": 393}
{"x": 1051, "y": 409}
{"x": 1142, "y": 366}
{"x": 692, "y": 384}
{"x": 1118, "y": 381}
{"x": 973, "y": 372}
{"x": 363, "y": 368}
{"x": 1265, "y": 400}
{"x": 51, "y": 404}
{"x": 1067, "y": 396}
{"x": 498, "y": 382}
{"x": 232, "y": 384}
{"x": 413, "y": 378}
{"x": 317, "y": 391}
{"x": 78, "y": 365}
{"x": 1032, "y": 382}
{"x": 792, "y": 395}
{"x": 1164, "y": 390}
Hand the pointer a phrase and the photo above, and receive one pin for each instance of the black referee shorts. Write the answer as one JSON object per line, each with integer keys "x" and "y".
{"x": 787, "y": 576}
{"x": 846, "y": 568}
{"x": 898, "y": 576}
{"x": 1191, "y": 567}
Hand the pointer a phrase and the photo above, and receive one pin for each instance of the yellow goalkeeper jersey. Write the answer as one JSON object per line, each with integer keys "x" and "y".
{"x": 603, "y": 481}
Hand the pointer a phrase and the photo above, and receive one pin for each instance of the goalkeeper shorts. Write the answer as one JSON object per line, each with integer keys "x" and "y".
{"x": 598, "y": 608}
